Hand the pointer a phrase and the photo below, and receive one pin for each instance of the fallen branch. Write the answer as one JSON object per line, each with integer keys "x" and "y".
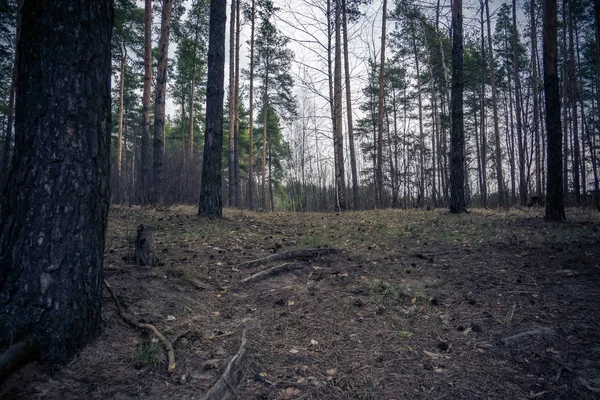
{"x": 259, "y": 276}
{"x": 534, "y": 332}
{"x": 16, "y": 356}
{"x": 231, "y": 377}
{"x": 288, "y": 255}
{"x": 168, "y": 346}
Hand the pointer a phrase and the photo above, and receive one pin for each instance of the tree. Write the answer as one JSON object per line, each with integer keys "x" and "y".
{"x": 145, "y": 171}
{"x": 338, "y": 137}
{"x": 379, "y": 180}
{"x": 499, "y": 174}
{"x": 158, "y": 168}
{"x": 211, "y": 202}
{"x": 555, "y": 204}
{"x": 457, "y": 143}
{"x": 272, "y": 66}
{"x": 230, "y": 157}
{"x": 252, "y": 18}
{"x": 53, "y": 227}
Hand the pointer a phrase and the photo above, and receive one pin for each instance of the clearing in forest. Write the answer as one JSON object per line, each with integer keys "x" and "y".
{"x": 415, "y": 304}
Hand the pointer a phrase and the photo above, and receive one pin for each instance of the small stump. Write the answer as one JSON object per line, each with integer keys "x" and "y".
{"x": 144, "y": 246}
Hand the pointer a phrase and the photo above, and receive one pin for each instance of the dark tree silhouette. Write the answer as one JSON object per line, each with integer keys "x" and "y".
{"x": 55, "y": 206}
{"x": 457, "y": 142}
{"x": 555, "y": 204}
{"x": 211, "y": 201}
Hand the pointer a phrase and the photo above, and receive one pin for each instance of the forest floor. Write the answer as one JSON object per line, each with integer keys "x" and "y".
{"x": 417, "y": 304}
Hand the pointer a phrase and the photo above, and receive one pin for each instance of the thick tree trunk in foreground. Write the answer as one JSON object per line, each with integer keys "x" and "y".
{"x": 52, "y": 228}
{"x": 457, "y": 142}
{"x": 555, "y": 205}
{"x": 158, "y": 167}
{"x": 145, "y": 172}
{"x": 211, "y": 202}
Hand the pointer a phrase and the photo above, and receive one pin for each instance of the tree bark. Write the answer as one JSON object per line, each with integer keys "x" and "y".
{"x": 499, "y": 173}
{"x": 380, "y": 110}
{"x": 145, "y": 172}
{"x": 520, "y": 140}
{"x": 555, "y": 206}
{"x": 337, "y": 102}
{"x": 251, "y": 116}
{"x": 158, "y": 167}
{"x": 52, "y": 228}
{"x": 592, "y": 148}
{"x": 211, "y": 202}
{"x": 355, "y": 195}
{"x": 536, "y": 131}
{"x": 421, "y": 197}
{"x": 231, "y": 146}
{"x": 482, "y": 117}
{"x": 574, "y": 116}
{"x": 236, "y": 127}
{"x": 120, "y": 131}
{"x": 457, "y": 144}
{"x": 192, "y": 89}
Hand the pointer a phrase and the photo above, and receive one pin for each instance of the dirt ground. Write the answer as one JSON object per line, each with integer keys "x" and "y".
{"x": 416, "y": 305}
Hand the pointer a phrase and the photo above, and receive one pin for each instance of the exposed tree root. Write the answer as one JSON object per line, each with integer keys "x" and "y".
{"x": 288, "y": 255}
{"x": 168, "y": 346}
{"x": 231, "y": 377}
{"x": 267, "y": 273}
{"x": 16, "y": 356}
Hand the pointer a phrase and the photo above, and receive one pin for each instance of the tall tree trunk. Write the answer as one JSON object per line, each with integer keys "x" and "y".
{"x": 251, "y": 116}
{"x": 458, "y": 203}
{"x": 211, "y": 201}
{"x": 337, "y": 101}
{"x": 499, "y": 173}
{"x": 574, "y": 116}
{"x": 583, "y": 120}
{"x": 536, "y": 131}
{"x": 7, "y": 152}
{"x": 555, "y": 206}
{"x": 236, "y": 113}
{"x": 52, "y": 229}
{"x": 158, "y": 167}
{"x": 120, "y": 130}
{"x": 565, "y": 123}
{"x": 421, "y": 197}
{"x": 264, "y": 141}
{"x": 520, "y": 139}
{"x": 482, "y": 116}
{"x": 381, "y": 110}
{"x": 349, "y": 111}
{"x": 192, "y": 89}
{"x": 593, "y": 148}
{"x": 231, "y": 147}
{"x": 510, "y": 138}
{"x": 145, "y": 170}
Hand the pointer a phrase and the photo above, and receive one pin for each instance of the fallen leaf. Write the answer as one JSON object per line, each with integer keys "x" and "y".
{"x": 171, "y": 318}
{"x": 331, "y": 371}
{"x": 313, "y": 342}
{"x": 291, "y": 303}
{"x": 293, "y": 351}
{"x": 216, "y": 313}
{"x": 413, "y": 300}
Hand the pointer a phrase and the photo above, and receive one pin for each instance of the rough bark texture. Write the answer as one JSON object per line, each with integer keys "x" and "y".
{"x": 337, "y": 101}
{"x": 145, "y": 174}
{"x": 555, "y": 205}
{"x": 457, "y": 142}
{"x": 349, "y": 111}
{"x": 158, "y": 167}
{"x": 236, "y": 111}
{"x": 574, "y": 117}
{"x": 120, "y": 132}
{"x": 536, "y": 131}
{"x": 192, "y": 89}
{"x": 594, "y": 161}
{"x": 52, "y": 227}
{"x": 499, "y": 174}
{"x": 380, "y": 112}
{"x": 211, "y": 202}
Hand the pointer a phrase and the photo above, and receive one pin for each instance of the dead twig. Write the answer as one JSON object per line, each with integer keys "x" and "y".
{"x": 288, "y": 255}
{"x": 231, "y": 377}
{"x": 534, "y": 332}
{"x": 168, "y": 346}
{"x": 267, "y": 273}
